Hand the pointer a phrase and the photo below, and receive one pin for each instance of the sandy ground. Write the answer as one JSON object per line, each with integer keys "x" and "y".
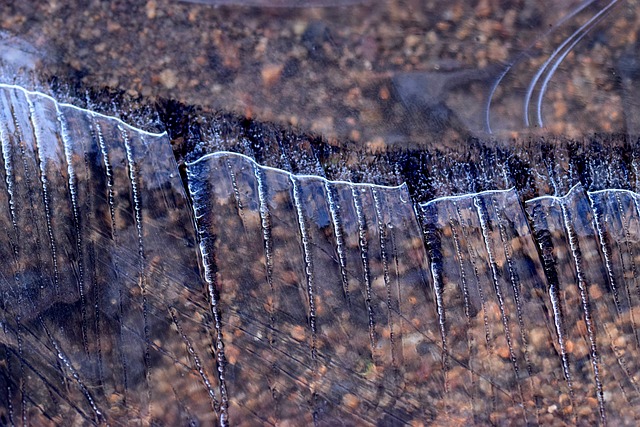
{"x": 378, "y": 73}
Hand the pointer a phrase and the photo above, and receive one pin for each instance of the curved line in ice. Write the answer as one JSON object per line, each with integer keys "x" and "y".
{"x": 569, "y": 43}
{"x": 402, "y": 186}
{"x": 30, "y": 93}
{"x": 509, "y": 66}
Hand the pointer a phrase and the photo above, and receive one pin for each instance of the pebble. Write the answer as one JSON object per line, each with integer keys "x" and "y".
{"x": 351, "y": 401}
{"x": 151, "y": 9}
{"x": 271, "y": 74}
{"x": 168, "y": 78}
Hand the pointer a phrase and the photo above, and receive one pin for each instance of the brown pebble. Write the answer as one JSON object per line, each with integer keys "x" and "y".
{"x": 231, "y": 353}
{"x": 595, "y": 292}
{"x": 593, "y": 402}
{"x": 168, "y": 78}
{"x": 503, "y": 352}
{"x": 350, "y": 401}
{"x": 584, "y": 411}
{"x": 271, "y": 74}
{"x": 151, "y": 9}
{"x": 443, "y": 26}
{"x": 620, "y": 342}
{"x": 298, "y": 333}
{"x": 411, "y": 40}
{"x": 568, "y": 345}
{"x": 483, "y": 9}
{"x": 560, "y": 109}
{"x": 538, "y": 337}
{"x": 384, "y": 93}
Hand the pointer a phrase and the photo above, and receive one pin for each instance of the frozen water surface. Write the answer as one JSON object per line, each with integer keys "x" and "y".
{"x": 258, "y": 296}
{"x": 323, "y": 294}
{"x": 249, "y": 293}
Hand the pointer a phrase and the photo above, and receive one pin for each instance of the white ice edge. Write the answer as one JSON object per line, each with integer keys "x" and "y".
{"x": 614, "y": 190}
{"x": 466, "y": 196}
{"x": 589, "y": 193}
{"x": 402, "y": 186}
{"x": 206, "y": 157}
{"x": 554, "y": 198}
{"x": 30, "y": 93}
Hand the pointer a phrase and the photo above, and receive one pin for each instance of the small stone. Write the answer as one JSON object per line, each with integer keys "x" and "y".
{"x": 271, "y": 74}
{"x": 350, "y": 401}
{"x": 569, "y": 347}
{"x": 298, "y": 333}
{"x": 411, "y": 40}
{"x": 504, "y": 352}
{"x": 151, "y": 9}
{"x": 483, "y": 9}
{"x": 168, "y": 78}
{"x": 538, "y": 338}
{"x": 384, "y": 93}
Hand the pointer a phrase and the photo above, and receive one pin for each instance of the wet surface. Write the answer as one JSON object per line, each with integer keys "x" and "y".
{"x": 320, "y": 285}
{"x": 331, "y": 291}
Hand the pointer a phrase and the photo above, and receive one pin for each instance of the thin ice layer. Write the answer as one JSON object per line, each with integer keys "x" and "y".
{"x": 500, "y": 363}
{"x": 329, "y": 307}
{"x": 588, "y": 244}
{"x": 326, "y": 310}
{"x": 104, "y": 316}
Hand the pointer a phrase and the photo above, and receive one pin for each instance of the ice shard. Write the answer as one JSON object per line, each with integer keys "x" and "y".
{"x": 326, "y": 309}
{"x": 595, "y": 309}
{"x": 101, "y": 323}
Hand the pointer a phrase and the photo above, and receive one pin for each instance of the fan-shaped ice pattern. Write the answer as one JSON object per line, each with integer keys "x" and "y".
{"x": 331, "y": 285}
{"x": 491, "y": 288}
{"x": 321, "y": 301}
{"x": 594, "y": 305}
{"x": 100, "y": 322}
{"x": 325, "y": 305}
